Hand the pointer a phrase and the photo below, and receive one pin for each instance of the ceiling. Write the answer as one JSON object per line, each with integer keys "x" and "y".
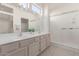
{"x": 55, "y": 8}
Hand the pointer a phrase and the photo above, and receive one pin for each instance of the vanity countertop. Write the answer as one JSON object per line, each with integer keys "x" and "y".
{"x": 12, "y": 37}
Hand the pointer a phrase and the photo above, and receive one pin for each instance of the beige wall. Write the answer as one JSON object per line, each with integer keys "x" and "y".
{"x": 66, "y": 36}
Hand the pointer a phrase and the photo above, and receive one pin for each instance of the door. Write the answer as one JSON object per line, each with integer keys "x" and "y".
{"x": 64, "y": 29}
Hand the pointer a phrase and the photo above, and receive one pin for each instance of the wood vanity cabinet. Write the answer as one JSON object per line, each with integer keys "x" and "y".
{"x": 26, "y": 47}
{"x": 34, "y": 48}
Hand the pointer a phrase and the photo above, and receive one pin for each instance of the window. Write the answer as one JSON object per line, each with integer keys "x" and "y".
{"x": 36, "y": 9}
{"x": 24, "y": 5}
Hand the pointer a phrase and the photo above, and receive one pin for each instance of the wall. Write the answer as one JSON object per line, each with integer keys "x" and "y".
{"x": 20, "y": 13}
{"x": 45, "y": 19}
{"x": 60, "y": 29}
{"x": 58, "y": 8}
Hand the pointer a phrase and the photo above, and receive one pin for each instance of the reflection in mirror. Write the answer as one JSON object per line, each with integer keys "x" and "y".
{"x": 6, "y": 23}
{"x": 24, "y": 25}
{"x": 5, "y": 9}
{"x": 34, "y": 25}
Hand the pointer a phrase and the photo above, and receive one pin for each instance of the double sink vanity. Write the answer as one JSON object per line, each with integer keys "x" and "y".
{"x": 25, "y": 45}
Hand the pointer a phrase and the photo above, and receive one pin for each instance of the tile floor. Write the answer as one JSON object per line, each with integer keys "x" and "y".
{"x": 58, "y": 51}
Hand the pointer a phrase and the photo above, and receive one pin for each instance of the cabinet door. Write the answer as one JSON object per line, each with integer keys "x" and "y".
{"x": 34, "y": 49}
{"x": 7, "y": 48}
{"x": 19, "y": 52}
{"x": 48, "y": 40}
{"x": 43, "y": 43}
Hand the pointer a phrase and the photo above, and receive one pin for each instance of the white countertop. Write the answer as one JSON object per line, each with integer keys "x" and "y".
{"x": 7, "y": 38}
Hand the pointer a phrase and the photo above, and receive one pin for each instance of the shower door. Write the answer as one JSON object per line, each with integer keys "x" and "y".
{"x": 65, "y": 29}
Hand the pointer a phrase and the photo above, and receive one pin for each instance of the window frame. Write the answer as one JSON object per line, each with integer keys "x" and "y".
{"x": 38, "y": 7}
{"x": 24, "y": 6}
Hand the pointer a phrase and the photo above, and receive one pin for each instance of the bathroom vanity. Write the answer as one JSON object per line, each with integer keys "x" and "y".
{"x": 27, "y": 45}
{"x": 14, "y": 39}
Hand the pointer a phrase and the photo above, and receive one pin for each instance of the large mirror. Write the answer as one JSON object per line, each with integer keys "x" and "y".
{"x": 15, "y": 19}
{"x": 30, "y": 25}
{"x": 6, "y": 23}
{"x": 6, "y": 19}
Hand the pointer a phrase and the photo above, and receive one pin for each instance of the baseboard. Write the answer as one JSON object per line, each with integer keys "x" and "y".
{"x": 64, "y": 46}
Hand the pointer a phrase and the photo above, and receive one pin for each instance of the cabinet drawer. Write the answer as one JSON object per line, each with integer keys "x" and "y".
{"x": 19, "y": 52}
{"x": 37, "y": 39}
{"x": 47, "y": 35}
{"x": 42, "y": 37}
{"x": 26, "y": 42}
{"x": 31, "y": 40}
{"x": 6, "y": 48}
